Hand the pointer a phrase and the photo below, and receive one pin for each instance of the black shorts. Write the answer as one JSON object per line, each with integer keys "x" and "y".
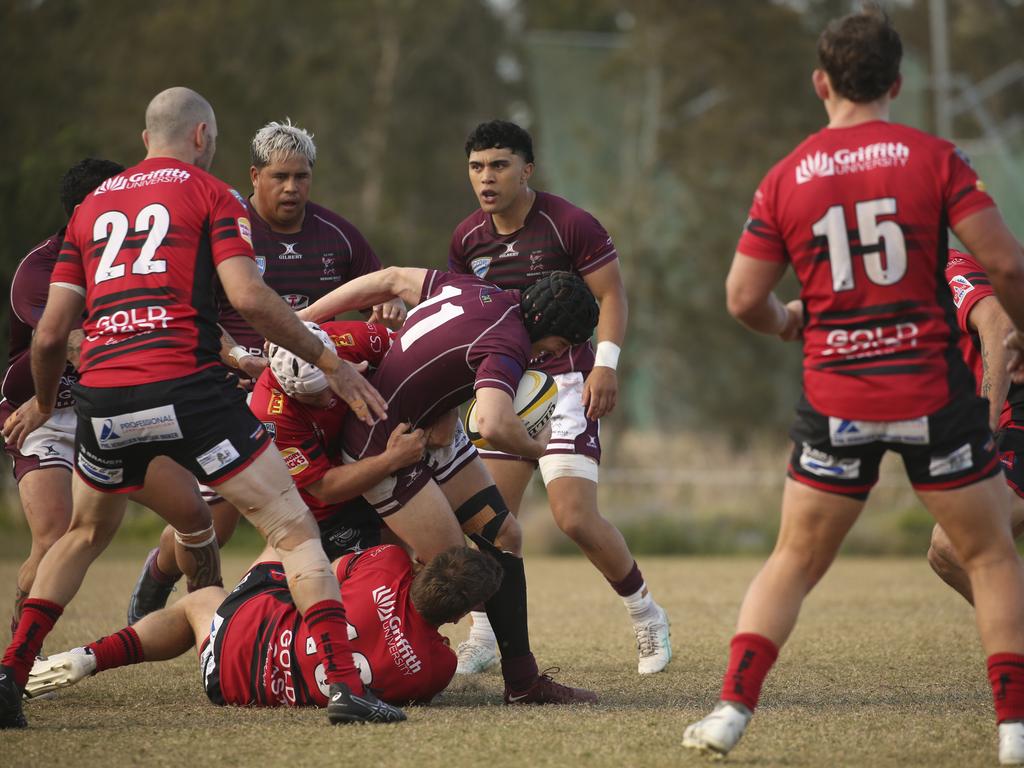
{"x": 951, "y": 448}
{"x": 200, "y": 421}
{"x": 1011, "y": 452}
{"x": 354, "y": 527}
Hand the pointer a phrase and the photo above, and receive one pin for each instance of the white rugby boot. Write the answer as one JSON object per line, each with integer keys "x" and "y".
{"x": 720, "y": 731}
{"x": 476, "y": 655}
{"x": 1011, "y": 743}
{"x": 653, "y": 643}
{"x": 59, "y": 671}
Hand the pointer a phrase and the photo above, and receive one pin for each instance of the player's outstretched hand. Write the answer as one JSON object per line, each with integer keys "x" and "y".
{"x": 1015, "y": 364}
{"x": 391, "y": 313}
{"x": 793, "y": 330}
{"x": 405, "y": 447}
{"x": 253, "y": 365}
{"x": 23, "y": 422}
{"x": 600, "y": 392}
{"x": 348, "y": 383}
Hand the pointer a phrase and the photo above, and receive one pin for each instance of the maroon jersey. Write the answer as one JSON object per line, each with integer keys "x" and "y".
{"x": 556, "y": 236}
{"x": 29, "y": 289}
{"x": 302, "y": 266}
{"x": 465, "y": 334}
{"x": 143, "y": 248}
{"x": 968, "y": 285}
{"x": 269, "y": 658}
{"x": 862, "y": 214}
{"x": 308, "y": 438}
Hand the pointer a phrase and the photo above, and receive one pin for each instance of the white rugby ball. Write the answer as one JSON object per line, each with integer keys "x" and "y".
{"x": 534, "y": 403}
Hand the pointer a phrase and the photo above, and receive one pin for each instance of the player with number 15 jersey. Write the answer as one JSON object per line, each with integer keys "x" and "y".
{"x": 855, "y": 211}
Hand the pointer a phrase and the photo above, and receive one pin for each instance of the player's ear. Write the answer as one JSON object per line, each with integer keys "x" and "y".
{"x": 199, "y": 138}
{"x": 527, "y": 173}
{"x": 145, "y": 138}
{"x": 822, "y": 87}
{"x": 254, "y": 173}
{"x": 894, "y": 90}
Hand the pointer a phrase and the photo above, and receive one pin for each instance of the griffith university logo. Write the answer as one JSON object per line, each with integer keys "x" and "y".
{"x": 883, "y": 154}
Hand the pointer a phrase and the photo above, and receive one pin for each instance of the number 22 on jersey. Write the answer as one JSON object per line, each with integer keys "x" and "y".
{"x": 112, "y": 227}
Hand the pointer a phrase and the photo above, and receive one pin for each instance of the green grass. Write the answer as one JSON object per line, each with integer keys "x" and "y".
{"x": 884, "y": 670}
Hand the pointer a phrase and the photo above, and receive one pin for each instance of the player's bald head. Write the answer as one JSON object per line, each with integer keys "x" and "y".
{"x": 173, "y": 114}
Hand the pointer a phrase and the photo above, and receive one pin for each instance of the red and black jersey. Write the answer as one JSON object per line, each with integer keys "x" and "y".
{"x": 301, "y": 267}
{"x": 142, "y": 248}
{"x": 308, "y": 437}
{"x": 862, "y": 213}
{"x": 29, "y": 289}
{"x": 968, "y": 285}
{"x": 269, "y": 658}
{"x": 556, "y": 236}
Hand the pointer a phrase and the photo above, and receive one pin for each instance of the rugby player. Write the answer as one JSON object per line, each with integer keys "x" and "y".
{"x": 517, "y": 236}
{"x": 984, "y": 326}
{"x": 861, "y": 210}
{"x": 42, "y": 466}
{"x": 465, "y": 335}
{"x": 139, "y": 254}
{"x": 303, "y": 250}
{"x": 255, "y": 649}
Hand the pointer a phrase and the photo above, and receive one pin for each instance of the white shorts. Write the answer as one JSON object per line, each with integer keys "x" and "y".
{"x": 53, "y": 444}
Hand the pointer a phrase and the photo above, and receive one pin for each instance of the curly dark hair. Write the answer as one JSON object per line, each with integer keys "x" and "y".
{"x": 82, "y": 178}
{"x": 501, "y": 134}
{"x": 861, "y": 54}
{"x": 559, "y": 304}
{"x": 448, "y": 587}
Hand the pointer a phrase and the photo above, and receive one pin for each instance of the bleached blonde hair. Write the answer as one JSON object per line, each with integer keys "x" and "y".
{"x": 281, "y": 140}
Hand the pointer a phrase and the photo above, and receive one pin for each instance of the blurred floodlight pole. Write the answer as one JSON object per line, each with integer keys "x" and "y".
{"x": 937, "y": 13}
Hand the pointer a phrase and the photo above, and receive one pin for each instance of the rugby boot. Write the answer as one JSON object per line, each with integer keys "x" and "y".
{"x": 149, "y": 594}
{"x": 720, "y": 731}
{"x": 11, "y": 714}
{"x": 476, "y": 656}
{"x": 59, "y": 671}
{"x": 343, "y": 706}
{"x": 545, "y": 690}
{"x": 653, "y": 643}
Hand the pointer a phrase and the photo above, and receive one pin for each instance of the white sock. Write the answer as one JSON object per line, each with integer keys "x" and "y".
{"x": 641, "y": 605}
{"x": 481, "y": 631}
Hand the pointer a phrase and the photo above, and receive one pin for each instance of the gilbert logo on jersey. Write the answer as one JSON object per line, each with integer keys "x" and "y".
{"x": 289, "y": 254}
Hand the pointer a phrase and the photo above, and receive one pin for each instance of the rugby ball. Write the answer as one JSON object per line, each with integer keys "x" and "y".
{"x": 534, "y": 403}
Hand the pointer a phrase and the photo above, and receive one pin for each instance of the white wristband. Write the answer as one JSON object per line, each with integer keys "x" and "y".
{"x": 607, "y": 354}
{"x": 238, "y": 352}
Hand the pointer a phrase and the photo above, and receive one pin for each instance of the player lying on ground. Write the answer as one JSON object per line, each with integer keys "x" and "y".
{"x": 984, "y": 325}
{"x": 465, "y": 334}
{"x": 255, "y": 649}
{"x": 304, "y": 417}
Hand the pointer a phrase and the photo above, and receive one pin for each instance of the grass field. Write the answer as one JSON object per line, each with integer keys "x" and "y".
{"x": 884, "y": 670}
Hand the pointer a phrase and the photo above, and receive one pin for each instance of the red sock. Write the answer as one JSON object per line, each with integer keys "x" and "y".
{"x": 1006, "y": 673}
{"x": 329, "y": 630}
{"x": 37, "y": 619}
{"x": 117, "y": 650}
{"x": 750, "y": 658}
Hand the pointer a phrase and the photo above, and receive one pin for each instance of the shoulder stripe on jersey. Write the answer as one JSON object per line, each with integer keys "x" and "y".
{"x": 759, "y": 228}
{"x": 960, "y": 195}
{"x": 224, "y": 223}
{"x": 474, "y": 229}
{"x": 113, "y": 298}
{"x": 224, "y": 234}
{"x": 552, "y": 223}
{"x": 336, "y": 229}
{"x": 877, "y": 309}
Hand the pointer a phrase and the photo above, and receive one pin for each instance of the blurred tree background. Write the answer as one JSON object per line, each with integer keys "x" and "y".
{"x": 658, "y": 116}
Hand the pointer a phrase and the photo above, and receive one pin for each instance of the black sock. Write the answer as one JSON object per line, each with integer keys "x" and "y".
{"x": 506, "y": 610}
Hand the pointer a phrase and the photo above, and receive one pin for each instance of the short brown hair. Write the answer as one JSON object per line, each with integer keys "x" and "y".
{"x": 448, "y": 587}
{"x": 861, "y": 54}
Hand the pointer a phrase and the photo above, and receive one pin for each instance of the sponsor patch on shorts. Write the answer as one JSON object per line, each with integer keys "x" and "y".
{"x": 98, "y": 474}
{"x": 218, "y": 457}
{"x": 152, "y": 425}
{"x": 825, "y": 465}
{"x": 295, "y": 460}
{"x": 958, "y": 461}
{"x": 843, "y": 432}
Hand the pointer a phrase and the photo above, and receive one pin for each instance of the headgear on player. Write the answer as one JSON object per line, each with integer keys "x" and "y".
{"x": 295, "y": 375}
{"x": 559, "y": 304}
